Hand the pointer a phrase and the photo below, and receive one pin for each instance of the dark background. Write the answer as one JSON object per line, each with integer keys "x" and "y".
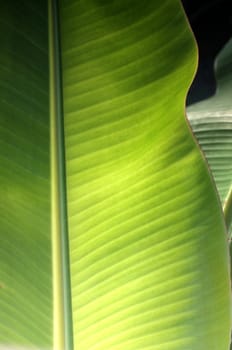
{"x": 211, "y": 22}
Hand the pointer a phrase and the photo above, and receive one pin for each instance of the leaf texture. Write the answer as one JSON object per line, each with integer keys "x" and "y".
{"x": 211, "y": 121}
{"x": 25, "y": 258}
{"x": 142, "y": 209}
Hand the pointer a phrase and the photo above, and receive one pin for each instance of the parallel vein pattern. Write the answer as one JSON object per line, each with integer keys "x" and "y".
{"x": 141, "y": 207}
{"x": 25, "y": 273}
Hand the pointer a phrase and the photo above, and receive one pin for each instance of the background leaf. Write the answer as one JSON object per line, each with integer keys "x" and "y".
{"x": 211, "y": 121}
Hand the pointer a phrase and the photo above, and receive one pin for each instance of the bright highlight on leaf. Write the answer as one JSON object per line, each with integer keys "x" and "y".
{"x": 147, "y": 245}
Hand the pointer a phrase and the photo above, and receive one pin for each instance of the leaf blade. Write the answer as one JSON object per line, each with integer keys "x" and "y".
{"x": 26, "y": 301}
{"x": 211, "y": 121}
{"x": 140, "y": 200}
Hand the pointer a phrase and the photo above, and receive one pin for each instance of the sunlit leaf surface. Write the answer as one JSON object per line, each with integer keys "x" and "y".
{"x": 148, "y": 251}
{"x": 145, "y": 224}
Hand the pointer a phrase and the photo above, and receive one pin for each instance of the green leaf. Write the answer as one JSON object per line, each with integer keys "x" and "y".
{"x": 143, "y": 224}
{"x": 25, "y": 257}
{"x": 211, "y": 121}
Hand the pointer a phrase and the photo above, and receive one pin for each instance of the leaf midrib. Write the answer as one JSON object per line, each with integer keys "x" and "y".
{"x": 62, "y": 314}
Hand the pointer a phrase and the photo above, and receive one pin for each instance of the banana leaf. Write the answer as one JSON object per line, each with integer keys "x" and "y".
{"x": 211, "y": 121}
{"x": 112, "y": 235}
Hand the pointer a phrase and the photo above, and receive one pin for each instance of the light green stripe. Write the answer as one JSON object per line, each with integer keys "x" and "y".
{"x": 62, "y": 314}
